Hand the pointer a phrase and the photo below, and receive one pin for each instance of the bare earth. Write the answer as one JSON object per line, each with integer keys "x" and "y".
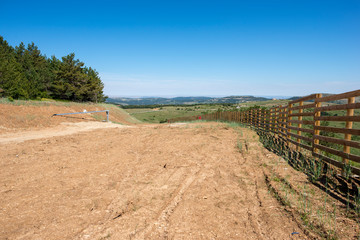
{"x": 182, "y": 181}
{"x": 62, "y": 129}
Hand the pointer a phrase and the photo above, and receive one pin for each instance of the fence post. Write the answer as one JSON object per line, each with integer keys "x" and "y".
{"x": 264, "y": 119}
{"x": 255, "y": 118}
{"x": 299, "y": 125}
{"x": 270, "y": 120}
{"x": 260, "y": 118}
{"x": 247, "y": 117}
{"x": 349, "y": 124}
{"x": 288, "y": 123}
{"x": 273, "y": 119}
{"x": 316, "y": 123}
{"x": 276, "y": 120}
{"x": 280, "y": 120}
{"x": 250, "y": 117}
{"x": 253, "y": 115}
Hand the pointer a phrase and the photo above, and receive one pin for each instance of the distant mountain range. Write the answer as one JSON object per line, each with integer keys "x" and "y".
{"x": 199, "y": 100}
{"x": 183, "y": 100}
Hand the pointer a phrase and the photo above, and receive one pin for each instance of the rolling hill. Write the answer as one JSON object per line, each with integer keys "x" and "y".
{"x": 184, "y": 100}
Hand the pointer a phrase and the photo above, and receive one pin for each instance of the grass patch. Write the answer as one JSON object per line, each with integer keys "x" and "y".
{"x": 239, "y": 145}
{"x": 159, "y": 115}
{"x": 156, "y": 115}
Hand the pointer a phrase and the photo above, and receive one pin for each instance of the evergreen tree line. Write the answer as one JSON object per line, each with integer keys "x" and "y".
{"x": 27, "y": 74}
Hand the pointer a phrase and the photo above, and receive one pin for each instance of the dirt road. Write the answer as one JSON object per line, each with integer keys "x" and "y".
{"x": 185, "y": 181}
{"x": 62, "y": 129}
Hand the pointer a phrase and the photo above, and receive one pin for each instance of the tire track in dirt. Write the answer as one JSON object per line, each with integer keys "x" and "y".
{"x": 254, "y": 202}
{"x": 205, "y": 190}
{"x": 159, "y": 228}
{"x": 123, "y": 207}
{"x": 260, "y": 216}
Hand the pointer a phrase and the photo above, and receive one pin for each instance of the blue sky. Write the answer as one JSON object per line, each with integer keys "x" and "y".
{"x": 199, "y": 48}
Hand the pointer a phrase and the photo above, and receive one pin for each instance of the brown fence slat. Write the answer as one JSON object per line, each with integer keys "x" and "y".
{"x": 282, "y": 137}
{"x": 306, "y": 122}
{"x": 338, "y": 141}
{"x": 355, "y": 93}
{"x": 329, "y": 160}
{"x": 355, "y": 170}
{"x": 339, "y": 118}
{"x": 301, "y": 129}
{"x": 339, "y": 130}
{"x": 338, "y": 164}
{"x": 282, "y": 133}
{"x": 301, "y": 137}
{"x": 349, "y": 156}
{"x": 282, "y": 128}
{"x": 309, "y": 148}
{"x": 303, "y": 99}
{"x": 301, "y": 114}
{"x": 339, "y": 107}
{"x": 312, "y": 105}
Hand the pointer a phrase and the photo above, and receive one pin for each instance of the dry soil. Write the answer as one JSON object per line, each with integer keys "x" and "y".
{"x": 186, "y": 181}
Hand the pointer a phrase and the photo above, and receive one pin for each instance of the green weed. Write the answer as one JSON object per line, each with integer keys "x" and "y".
{"x": 239, "y": 145}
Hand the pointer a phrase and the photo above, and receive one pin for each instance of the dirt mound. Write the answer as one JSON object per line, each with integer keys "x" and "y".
{"x": 26, "y": 115}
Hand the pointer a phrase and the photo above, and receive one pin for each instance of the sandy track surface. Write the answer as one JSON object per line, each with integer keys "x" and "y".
{"x": 63, "y": 129}
{"x": 144, "y": 182}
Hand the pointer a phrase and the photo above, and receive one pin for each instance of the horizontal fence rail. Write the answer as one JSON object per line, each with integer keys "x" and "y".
{"x": 107, "y": 113}
{"x": 326, "y": 126}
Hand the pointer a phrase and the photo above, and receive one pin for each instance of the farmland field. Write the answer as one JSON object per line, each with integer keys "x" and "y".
{"x": 161, "y": 114}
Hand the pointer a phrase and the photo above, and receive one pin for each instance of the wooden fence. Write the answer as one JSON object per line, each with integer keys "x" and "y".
{"x": 321, "y": 125}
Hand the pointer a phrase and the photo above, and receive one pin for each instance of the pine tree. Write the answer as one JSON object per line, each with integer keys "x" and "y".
{"x": 12, "y": 79}
{"x": 26, "y": 73}
{"x": 70, "y": 80}
{"x": 94, "y": 86}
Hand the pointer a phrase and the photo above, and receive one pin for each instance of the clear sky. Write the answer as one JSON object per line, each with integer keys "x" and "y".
{"x": 199, "y": 48}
